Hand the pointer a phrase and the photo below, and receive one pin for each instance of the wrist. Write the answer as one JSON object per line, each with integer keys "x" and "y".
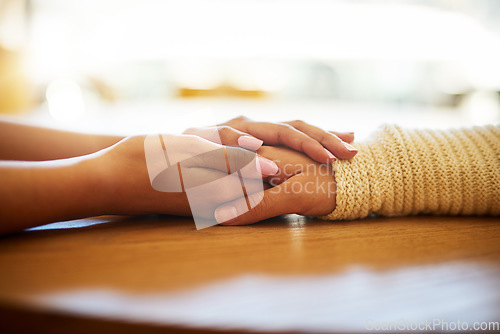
{"x": 93, "y": 177}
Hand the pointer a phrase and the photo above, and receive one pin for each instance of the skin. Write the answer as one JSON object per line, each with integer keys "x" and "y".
{"x": 114, "y": 180}
{"x": 19, "y": 141}
{"x": 101, "y": 183}
{"x": 299, "y": 136}
{"x": 35, "y": 193}
{"x": 302, "y": 186}
{"x": 67, "y": 175}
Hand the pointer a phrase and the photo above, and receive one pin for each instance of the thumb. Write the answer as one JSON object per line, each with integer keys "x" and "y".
{"x": 257, "y": 206}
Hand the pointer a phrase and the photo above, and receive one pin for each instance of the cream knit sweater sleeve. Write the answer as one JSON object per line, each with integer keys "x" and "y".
{"x": 407, "y": 172}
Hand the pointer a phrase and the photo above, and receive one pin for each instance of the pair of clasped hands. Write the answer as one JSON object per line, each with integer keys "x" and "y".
{"x": 234, "y": 178}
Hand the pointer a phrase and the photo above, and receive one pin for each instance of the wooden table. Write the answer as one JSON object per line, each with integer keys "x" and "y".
{"x": 291, "y": 273}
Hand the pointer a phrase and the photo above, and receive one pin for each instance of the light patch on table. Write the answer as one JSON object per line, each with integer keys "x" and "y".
{"x": 77, "y": 223}
{"x": 338, "y": 302}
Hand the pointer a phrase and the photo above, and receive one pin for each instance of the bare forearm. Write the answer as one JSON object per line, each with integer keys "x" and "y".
{"x": 32, "y": 143}
{"x": 36, "y": 193}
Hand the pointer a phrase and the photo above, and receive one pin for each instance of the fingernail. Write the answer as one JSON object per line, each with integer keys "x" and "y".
{"x": 330, "y": 155}
{"x": 250, "y": 143}
{"x": 266, "y": 166}
{"x": 349, "y": 147}
{"x": 225, "y": 213}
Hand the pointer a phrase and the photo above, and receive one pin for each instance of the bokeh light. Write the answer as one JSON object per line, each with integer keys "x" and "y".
{"x": 65, "y": 100}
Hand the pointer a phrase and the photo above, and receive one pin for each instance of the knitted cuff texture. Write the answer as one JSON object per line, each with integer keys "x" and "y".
{"x": 402, "y": 172}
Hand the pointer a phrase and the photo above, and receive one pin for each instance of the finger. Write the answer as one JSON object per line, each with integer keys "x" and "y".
{"x": 348, "y": 137}
{"x": 207, "y": 189}
{"x": 226, "y": 135}
{"x": 213, "y": 188}
{"x": 258, "y": 206}
{"x": 233, "y": 159}
{"x": 285, "y": 171}
{"x": 307, "y": 140}
{"x": 209, "y": 133}
{"x": 169, "y": 157}
{"x": 234, "y": 137}
{"x": 287, "y": 135}
{"x": 329, "y": 140}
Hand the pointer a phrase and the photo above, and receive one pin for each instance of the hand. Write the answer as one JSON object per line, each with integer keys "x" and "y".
{"x": 154, "y": 174}
{"x": 302, "y": 186}
{"x": 322, "y": 146}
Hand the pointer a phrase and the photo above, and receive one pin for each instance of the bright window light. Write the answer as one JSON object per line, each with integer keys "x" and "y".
{"x": 65, "y": 100}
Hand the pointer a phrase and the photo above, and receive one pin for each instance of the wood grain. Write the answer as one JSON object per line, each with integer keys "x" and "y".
{"x": 161, "y": 256}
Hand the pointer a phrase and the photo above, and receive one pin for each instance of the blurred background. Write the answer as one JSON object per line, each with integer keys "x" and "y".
{"x": 149, "y": 66}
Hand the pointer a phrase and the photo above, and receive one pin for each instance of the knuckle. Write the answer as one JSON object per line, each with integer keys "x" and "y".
{"x": 225, "y": 131}
{"x": 297, "y": 123}
{"x": 286, "y": 126}
{"x": 189, "y": 131}
{"x": 241, "y": 118}
{"x": 237, "y": 120}
{"x": 324, "y": 136}
{"x": 259, "y": 210}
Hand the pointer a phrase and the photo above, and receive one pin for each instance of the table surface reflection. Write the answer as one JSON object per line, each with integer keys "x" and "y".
{"x": 286, "y": 274}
